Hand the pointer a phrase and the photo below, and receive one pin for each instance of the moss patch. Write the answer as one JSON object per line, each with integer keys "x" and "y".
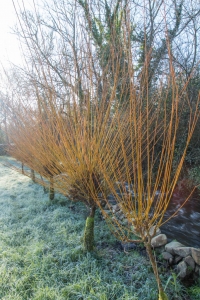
{"x": 89, "y": 234}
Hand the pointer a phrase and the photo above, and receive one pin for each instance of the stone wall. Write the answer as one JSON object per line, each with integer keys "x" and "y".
{"x": 185, "y": 260}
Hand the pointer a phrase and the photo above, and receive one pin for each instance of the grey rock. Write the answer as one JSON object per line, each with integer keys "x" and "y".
{"x": 190, "y": 262}
{"x": 167, "y": 256}
{"x": 159, "y": 240}
{"x": 151, "y": 231}
{"x": 177, "y": 259}
{"x": 120, "y": 214}
{"x": 182, "y": 269}
{"x": 182, "y": 251}
{"x": 171, "y": 246}
{"x": 115, "y": 208}
{"x": 121, "y": 217}
{"x": 197, "y": 270}
{"x": 196, "y": 255}
{"x": 160, "y": 250}
{"x": 107, "y": 206}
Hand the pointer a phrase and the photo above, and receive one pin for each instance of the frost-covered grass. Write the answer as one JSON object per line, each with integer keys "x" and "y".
{"x": 41, "y": 253}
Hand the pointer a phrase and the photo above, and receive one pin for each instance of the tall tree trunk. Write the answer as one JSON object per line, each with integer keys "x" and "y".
{"x": 33, "y": 175}
{"x": 51, "y": 188}
{"x": 162, "y": 295}
{"x": 89, "y": 231}
{"x": 22, "y": 168}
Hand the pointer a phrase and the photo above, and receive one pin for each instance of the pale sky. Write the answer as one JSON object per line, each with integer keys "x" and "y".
{"x": 9, "y": 45}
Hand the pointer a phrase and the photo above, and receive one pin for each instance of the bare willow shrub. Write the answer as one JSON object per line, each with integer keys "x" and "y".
{"x": 139, "y": 167}
{"x": 64, "y": 149}
{"x": 29, "y": 133}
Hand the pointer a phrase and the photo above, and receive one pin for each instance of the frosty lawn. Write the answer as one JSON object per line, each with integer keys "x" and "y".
{"x": 41, "y": 253}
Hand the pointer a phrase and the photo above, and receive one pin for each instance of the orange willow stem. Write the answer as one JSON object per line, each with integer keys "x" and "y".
{"x": 162, "y": 295}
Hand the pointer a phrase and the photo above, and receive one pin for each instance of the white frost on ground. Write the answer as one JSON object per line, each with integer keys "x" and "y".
{"x": 16, "y": 187}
